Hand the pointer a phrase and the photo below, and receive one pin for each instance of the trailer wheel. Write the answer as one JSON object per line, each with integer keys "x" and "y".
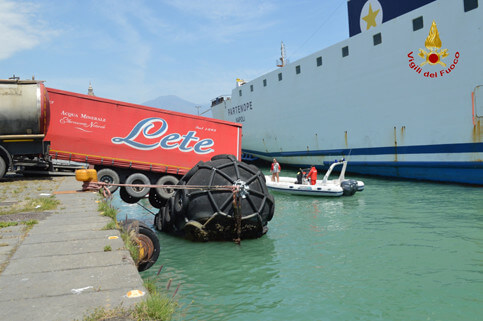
{"x": 3, "y": 167}
{"x": 166, "y": 193}
{"x": 155, "y": 200}
{"x": 138, "y": 179}
{"x": 109, "y": 176}
{"x": 126, "y": 197}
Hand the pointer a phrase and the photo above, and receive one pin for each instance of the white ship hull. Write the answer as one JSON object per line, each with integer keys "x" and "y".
{"x": 378, "y": 106}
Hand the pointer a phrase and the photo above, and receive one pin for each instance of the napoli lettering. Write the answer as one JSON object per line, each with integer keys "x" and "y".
{"x": 240, "y": 108}
{"x": 144, "y": 129}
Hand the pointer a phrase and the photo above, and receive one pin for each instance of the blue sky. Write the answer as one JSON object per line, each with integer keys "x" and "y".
{"x": 135, "y": 51}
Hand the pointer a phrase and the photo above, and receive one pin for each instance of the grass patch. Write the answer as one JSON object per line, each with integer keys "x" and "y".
{"x": 39, "y": 204}
{"x": 110, "y": 226}
{"x": 119, "y": 313}
{"x": 131, "y": 245}
{"x": 107, "y": 210}
{"x": 155, "y": 307}
{"x": 150, "y": 285}
{"x": 7, "y": 224}
{"x": 28, "y": 223}
{"x": 107, "y": 248}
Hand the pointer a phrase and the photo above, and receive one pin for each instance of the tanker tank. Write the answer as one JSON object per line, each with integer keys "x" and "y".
{"x": 23, "y": 107}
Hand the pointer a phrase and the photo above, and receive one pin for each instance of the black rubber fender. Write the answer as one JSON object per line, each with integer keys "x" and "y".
{"x": 142, "y": 228}
{"x": 201, "y": 205}
{"x": 191, "y": 172}
{"x": 224, "y": 156}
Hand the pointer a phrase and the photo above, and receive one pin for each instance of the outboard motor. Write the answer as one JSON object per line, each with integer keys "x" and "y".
{"x": 349, "y": 186}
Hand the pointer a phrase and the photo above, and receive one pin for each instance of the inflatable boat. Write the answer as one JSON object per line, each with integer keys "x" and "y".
{"x": 324, "y": 187}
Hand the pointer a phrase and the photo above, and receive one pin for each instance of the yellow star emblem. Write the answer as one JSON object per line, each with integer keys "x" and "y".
{"x": 370, "y": 19}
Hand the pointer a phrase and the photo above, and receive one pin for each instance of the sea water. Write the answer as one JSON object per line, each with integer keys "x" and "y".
{"x": 399, "y": 250}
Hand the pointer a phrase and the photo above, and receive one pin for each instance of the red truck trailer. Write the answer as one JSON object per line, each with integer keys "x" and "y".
{"x": 126, "y": 138}
{"x": 126, "y": 143}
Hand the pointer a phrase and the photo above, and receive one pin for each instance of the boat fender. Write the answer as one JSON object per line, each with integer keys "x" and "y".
{"x": 191, "y": 172}
{"x": 224, "y": 156}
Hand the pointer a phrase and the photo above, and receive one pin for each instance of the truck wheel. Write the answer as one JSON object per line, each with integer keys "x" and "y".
{"x": 137, "y": 179}
{"x": 166, "y": 193}
{"x": 3, "y": 167}
{"x": 126, "y": 198}
{"x": 155, "y": 200}
{"x": 109, "y": 176}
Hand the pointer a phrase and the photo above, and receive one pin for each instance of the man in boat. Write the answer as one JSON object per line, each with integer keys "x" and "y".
{"x": 275, "y": 169}
{"x": 312, "y": 175}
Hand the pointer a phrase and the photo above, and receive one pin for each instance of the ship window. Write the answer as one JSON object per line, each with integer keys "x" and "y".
{"x": 297, "y": 69}
{"x": 345, "y": 51}
{"x": 319, "y": 61}
{"x": 470, "y": 4}
{"x": 264, "y": 83}
{"x": 279, "y": 76}
{"x": 377, "y": 39}
{"x": 418, "y": 23}
{"x": 240, "y": 92}
{"x": 251, "y": 87}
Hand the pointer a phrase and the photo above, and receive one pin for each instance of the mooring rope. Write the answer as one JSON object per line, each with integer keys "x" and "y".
{"x": 105, "y": 187}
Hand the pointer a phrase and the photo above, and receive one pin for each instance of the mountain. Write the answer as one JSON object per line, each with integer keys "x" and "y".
{"x": 174, "y": 103}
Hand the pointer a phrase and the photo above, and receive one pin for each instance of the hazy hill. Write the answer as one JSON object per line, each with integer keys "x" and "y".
{"x": 174, "y": 103}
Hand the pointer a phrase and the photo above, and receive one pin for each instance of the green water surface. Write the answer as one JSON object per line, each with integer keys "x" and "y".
{"x": 398, "y": 250}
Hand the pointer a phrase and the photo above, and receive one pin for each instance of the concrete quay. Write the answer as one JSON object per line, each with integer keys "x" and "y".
{"x": 60, "y": 270}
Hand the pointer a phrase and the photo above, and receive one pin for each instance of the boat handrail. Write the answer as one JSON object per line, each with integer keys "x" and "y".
{"x": 332, "y": 166}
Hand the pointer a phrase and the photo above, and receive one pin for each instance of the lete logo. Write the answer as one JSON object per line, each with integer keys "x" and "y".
{"x": 185, "y": 143}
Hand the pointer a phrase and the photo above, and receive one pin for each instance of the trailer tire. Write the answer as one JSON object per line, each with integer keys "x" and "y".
{"x": 126, "y": 197}
{"x": 3, "y": 167}
{"x": 140, "y": 179}
{"x": 155, "y": 200}
{"x": 110, "y": 176}
{"x": 166, "y": 180}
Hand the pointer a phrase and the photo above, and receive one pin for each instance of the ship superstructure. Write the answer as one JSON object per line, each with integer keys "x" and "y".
{"x": 401, "y": 97}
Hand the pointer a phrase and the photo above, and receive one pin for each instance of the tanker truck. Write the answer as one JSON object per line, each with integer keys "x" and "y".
{"x": 126, "y": 143}
{"x": 23, "y": 124}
